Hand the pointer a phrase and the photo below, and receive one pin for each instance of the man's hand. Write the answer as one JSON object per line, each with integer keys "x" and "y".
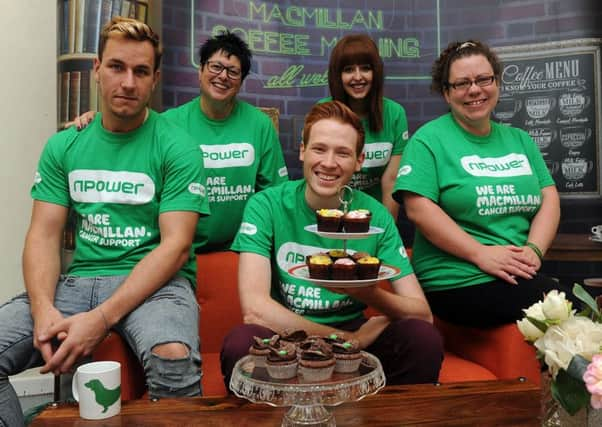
{"x": 82, "y": 332}
{"x": 506, "y": 262}
{"x": 370, "y": 331}
{"x": 43, "y": 320}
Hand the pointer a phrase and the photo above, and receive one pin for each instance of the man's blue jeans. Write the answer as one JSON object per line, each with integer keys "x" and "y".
{"x": 170, "y": 315}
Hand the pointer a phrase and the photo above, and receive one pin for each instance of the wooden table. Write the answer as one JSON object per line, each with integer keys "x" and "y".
{"x": 574, "y": 247}
{"x": 504, "y": 403}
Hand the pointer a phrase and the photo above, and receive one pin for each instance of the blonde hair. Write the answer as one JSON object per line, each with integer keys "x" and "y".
{"x": 131, "y": 29}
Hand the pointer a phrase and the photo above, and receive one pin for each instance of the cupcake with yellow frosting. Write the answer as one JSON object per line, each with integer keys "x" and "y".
{"x": 368, "y": 267}
{"x": 319, "y": 266}
{"x": 329, "y": 220}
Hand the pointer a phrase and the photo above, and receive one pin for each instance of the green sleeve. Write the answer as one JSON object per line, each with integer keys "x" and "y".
{"x": 51, "y": 182}
{"x": 256, "y": 233}
{"x": 418, "y": 171}
{"x": 184, "y": 179}
{"x": 272, "y": 169}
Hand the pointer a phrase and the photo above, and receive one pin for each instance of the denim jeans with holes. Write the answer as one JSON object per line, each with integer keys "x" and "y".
{"x": 170, "y": 315}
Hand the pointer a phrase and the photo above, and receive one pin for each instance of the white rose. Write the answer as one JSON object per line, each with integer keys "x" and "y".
{"x": 529, "y": 330}
{"x": 555, "y": 306}
{"x": 577, "y": 335}
{"x": 535, "y": 311}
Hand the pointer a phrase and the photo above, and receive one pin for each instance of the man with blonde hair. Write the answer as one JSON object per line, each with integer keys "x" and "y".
{"x": 136, "y": 186}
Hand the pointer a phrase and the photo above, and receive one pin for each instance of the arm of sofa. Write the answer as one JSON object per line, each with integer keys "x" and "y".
{"x": 502, "y": 349}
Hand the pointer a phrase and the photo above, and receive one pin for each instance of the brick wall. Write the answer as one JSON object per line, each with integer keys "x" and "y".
{"x": 497, "y": 22}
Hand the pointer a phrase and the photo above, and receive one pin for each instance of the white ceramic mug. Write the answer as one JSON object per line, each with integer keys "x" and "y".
{"x": 597, "y": 230}
{"x": 97, "y": 388}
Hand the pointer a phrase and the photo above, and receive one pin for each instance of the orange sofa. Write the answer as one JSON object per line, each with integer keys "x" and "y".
{"x": 471, "y": 354}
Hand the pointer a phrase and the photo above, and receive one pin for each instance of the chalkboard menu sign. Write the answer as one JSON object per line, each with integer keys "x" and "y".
{"x": 552, "y": 90}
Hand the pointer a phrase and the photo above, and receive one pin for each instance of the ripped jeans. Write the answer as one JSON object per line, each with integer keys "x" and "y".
{"x": 170, "y": 315}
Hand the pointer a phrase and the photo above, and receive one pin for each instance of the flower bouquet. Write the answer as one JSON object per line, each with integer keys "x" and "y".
{"x": 569, "y": 344}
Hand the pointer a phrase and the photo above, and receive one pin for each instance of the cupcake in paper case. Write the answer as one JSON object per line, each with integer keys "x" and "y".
{"x": 357, "y": 221}
{"x": 336, "y": 254}
{"x": 358, "y": 255}
{"x": 329, "y": 220}
{"x": 344, "y": 269}
{"x": 316, "y": 361}
{"x": 261, "y": 348}
{"x": 293, "y": 336}
{"x": 282, "y": 362}
{"x": 319, "y": 267}
{"x": 347, "y": 356}
{"x": 368, "y": 267}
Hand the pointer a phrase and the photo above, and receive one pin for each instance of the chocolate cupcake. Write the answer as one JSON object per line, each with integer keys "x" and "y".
{"x": 368, "y": 267}
{"x": 347, "y": 356}
{"x": 358, "y": 255}
{"x": 357, "y": 221}
{"x": 293, "y": 336}
{"x": 316, "y": 362}
{"x": 319, "y": 267}
{"x": 344, "y": 269}
{"x": 329, "y": 220}
{"x": 261, "y": 348}
{"x": 282, "y": 362}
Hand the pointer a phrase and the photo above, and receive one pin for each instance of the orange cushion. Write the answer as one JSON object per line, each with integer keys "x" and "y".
{"x": 212, "y": 381}
{"x": 502, "y": 349}
{"x": 217, "y": 295}
{"x": 456, "y": 369}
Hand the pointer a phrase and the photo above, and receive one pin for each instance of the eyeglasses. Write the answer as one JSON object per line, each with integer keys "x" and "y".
{"x": 216, "y": 68}
{"x": 465, "y": 84}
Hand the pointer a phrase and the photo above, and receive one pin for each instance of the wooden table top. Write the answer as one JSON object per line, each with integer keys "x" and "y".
{"x": 574, "y": 247}
{"x": 505, "y": 402}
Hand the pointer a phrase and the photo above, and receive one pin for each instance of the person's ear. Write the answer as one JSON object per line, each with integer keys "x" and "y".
{"x": 301, "y": 151}
{"x": 360, "y": 161}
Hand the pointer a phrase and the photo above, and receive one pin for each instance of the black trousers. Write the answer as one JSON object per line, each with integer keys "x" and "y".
{"x": 493, "y": 303}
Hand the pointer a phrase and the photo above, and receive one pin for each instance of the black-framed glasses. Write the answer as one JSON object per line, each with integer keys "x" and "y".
{"x": 216, "y": 67}
{"x": 464, "y": 84}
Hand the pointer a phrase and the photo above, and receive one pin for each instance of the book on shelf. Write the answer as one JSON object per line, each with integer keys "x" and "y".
{"x": 71, "y": 25}
{"x": 116, "y": 10}
{"x": 105, "y": 12}
{"x": 92, "y": 25}
{"x": 74, "y": 93}
{"x": 84, "y": 91}
{"x": 64, "y": 97}
{"x": 80, "y": 25}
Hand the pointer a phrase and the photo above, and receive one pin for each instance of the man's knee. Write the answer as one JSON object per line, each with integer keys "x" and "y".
{"x": 171, "y": 350}
{"x": 175, "y": 370}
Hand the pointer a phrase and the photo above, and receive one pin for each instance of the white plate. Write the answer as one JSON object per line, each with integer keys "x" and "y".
{"x": 385, "y": 272}
{"x": 595, "y": 238}
{"x": 344, "y": 236}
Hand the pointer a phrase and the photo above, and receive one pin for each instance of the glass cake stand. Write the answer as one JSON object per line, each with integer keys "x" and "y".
{"x": 307, "y": 400}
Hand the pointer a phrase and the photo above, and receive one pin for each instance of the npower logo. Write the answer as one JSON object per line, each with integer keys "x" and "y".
{"x": 102, "y": 186}
{"x": 228, "y": 155}
{"x": 377, "y": 154}
{"x": 513, "y": 164}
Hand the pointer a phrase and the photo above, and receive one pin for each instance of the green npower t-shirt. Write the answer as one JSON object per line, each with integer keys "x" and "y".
{"x": 117, "y": 184}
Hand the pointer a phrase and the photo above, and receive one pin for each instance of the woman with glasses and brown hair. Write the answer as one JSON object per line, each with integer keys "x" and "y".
{"x": 356, "y": 78}
{"x": 484, "y": 204}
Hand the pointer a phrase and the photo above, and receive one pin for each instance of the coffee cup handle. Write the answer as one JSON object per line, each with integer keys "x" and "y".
{"x": 74, "y": 391}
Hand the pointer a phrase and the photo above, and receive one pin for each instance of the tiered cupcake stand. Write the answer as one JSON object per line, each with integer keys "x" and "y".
{"x": 307, "y": 400}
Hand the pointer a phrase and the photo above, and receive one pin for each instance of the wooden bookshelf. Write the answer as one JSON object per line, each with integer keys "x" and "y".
{"x": 79, "y": 25}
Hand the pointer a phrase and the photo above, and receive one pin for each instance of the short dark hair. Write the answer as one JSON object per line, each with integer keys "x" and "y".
{"x": 454, "y": 51}
{"x": 230, "y": 44}
{"x": 358, "y": 49}
{"x": 338, "y": 111}
{"x": 130, "y": 29}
